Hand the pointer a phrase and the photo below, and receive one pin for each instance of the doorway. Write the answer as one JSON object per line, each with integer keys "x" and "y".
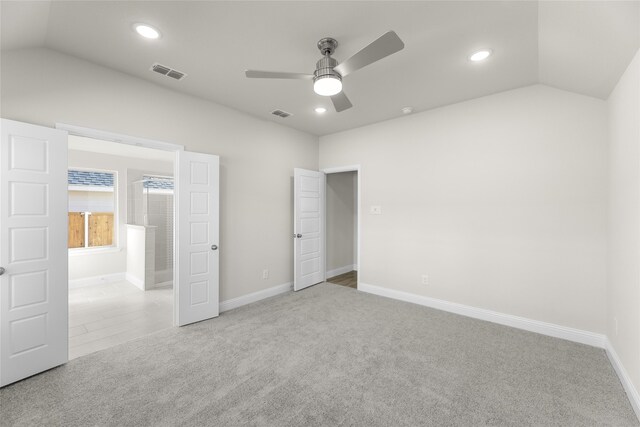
{"x": 342, "y": 227}
{"x": 121, "y": 226}
{"x": 34, "y": 227}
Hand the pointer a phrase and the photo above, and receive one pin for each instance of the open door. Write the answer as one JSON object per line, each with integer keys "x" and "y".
{"x": 197, "y": 254}
{"x": 308, "y": 232}
{"x": 33, "y": 250}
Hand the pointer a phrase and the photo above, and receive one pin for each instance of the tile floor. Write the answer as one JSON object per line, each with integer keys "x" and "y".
{"x": 102, "y": 316}
{"x": 350, "y": 279}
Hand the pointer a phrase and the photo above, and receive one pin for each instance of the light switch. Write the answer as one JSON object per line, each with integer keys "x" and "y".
{"x": 375, "y": 210}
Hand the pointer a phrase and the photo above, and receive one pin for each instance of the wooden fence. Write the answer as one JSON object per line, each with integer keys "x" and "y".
{"x": 100, "y": 225}
{"x": 76, "y": 229}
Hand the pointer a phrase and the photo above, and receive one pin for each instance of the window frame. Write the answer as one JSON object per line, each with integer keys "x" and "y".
{"x": 115, "y": 245}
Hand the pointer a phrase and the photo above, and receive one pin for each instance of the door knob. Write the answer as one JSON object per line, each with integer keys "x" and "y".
{"x": 2, "y": 270}
{"x": 298, "y": 235}
{"x": 214, "y": 247}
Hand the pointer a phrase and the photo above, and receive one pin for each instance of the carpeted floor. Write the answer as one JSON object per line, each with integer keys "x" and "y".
{"x": 329, "y": 355}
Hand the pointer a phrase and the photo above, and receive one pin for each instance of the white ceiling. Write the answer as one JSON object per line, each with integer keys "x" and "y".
{"x": 581, "y": 46}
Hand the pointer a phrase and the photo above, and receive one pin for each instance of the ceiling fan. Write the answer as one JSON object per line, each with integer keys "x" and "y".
{"x": 327, "y": 78}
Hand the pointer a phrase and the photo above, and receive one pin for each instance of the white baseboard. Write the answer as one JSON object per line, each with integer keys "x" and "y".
{"x": 136, "y": 281}
{"x": 96, "y": 280}
{"x": 544, "y": 328}
{"x": 341, "y": 270}
{"x": 632, "y": 392}
{"x": 255, "y": 296}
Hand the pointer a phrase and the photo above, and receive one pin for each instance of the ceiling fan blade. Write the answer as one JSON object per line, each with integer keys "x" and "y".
{"x": 255, "y": 74}
{"x": 341, "y": 102}
{"x": 384, "y": 46}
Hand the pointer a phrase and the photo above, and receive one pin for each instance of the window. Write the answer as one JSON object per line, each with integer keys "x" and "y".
{"x": 91, "y": 208}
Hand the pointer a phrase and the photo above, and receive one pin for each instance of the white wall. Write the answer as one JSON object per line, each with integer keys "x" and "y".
{"x": 623, "y": 293}
{"x": 256, "y": 157}
{"x": 84, "y": 264}
{"x": 341, "y": 220}
{"x": 136, "y": 265}
{"x": 500, "y": 200}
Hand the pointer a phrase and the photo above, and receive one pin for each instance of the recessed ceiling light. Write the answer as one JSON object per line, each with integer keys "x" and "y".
{"x": 480, "y": 55}
{"x": 407, "y": 110}
{"x": 320, "y": 110}
{"x": 146, "y": 31}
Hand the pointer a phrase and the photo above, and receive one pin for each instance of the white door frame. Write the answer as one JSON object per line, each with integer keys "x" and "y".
{"x": 146, "y": 143}
{"x": 356, "y": 169}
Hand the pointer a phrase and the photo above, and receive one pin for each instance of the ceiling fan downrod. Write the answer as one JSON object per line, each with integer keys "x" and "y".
{"x": 325, "y": 66}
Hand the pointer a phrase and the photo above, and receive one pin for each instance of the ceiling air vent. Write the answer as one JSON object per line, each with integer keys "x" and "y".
{"x": 280, "y": 113}
{"x": 166, "y": 71}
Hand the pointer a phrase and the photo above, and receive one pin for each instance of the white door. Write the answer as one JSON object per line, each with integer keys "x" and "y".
{"x": 308, "y": 232}
{"x": 33, "y": 250}
{"x": 197, "y": 260}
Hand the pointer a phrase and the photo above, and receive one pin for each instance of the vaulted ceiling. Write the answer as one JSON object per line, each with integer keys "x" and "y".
{"x": 580, "y": 46}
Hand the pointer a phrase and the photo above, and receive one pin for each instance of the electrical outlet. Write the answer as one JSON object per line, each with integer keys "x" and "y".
{"x": 615, "y": 325}
{"x": 265, "y": 274}
{"x": 425, "y": 279}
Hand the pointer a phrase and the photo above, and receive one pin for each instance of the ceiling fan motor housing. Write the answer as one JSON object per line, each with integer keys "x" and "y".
{"x": 324, "y": 68}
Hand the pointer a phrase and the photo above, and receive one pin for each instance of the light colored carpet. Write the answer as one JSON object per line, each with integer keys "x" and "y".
{"x": 329, "y": 355}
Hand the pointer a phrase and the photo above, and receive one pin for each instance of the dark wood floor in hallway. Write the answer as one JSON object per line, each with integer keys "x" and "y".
{"x": 349, "y": 279}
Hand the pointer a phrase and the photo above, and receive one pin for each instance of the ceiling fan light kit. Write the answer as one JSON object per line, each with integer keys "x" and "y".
{"x": 326, "y": 81}
{"x": 327, "y": 85}
{"x": 327, "y": 77}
